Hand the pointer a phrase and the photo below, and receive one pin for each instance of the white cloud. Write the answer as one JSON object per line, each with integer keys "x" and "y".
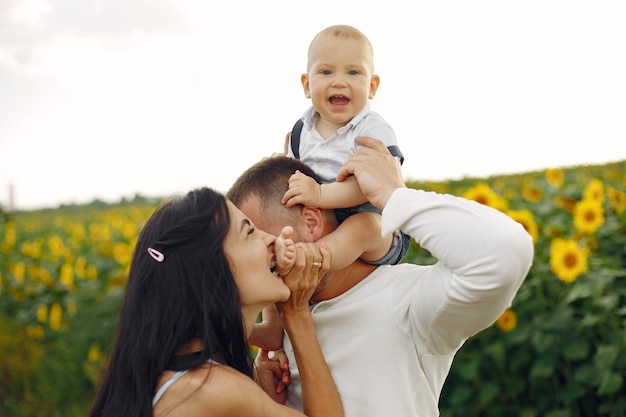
{"x": 104, "y": 99}
{"x": 30, "y": 13}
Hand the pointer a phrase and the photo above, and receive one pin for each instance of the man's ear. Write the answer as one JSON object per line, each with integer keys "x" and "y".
{"x": 313, "y": 223}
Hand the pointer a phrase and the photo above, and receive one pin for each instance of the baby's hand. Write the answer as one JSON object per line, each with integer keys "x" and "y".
{"x": 302, "y": 190}
{"x": 285, "y": 251}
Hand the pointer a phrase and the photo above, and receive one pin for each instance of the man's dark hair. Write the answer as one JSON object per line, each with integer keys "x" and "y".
{"x": 268, "y": 180}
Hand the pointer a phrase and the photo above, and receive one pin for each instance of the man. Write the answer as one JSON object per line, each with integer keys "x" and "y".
{"x": 390, "y": 333}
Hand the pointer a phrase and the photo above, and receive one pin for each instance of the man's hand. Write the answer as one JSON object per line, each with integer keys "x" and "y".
{"x": 375, "y": 169}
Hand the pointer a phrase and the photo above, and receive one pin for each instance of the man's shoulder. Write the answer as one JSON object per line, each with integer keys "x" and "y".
{"x": 389, "y": 275}
{"x": 399, "y": 278}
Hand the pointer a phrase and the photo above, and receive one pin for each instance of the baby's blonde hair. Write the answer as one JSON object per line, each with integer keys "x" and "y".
{"x": 342, "y": 32}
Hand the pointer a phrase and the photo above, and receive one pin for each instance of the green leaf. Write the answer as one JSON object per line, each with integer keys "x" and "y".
{"x": 613, "y": 273}
{"x": 488, "y": 392}
{"x": 589, "y": 320}
{"x": 561, "y": 412}
{"x": 515, "y": 386}
{"x": 577, "y": 349}
{"x": 497, "y": 351}
{"x": 519, "y": 359}
{"x": 543, "y": 368}
{"x": 469, "y": 369}
{"x": 605, "y": 356}
{"x": 587, "y": 374}
{"x": 579, "y": 291}
{"x": 571, "y": 392}
{"x": 610, "y": 383}
{"x": 608, "y": 302}
{"x": 460, "y": 394}
{"x": 542, "y": 342}
{"x": 558, "y": 320}
{"x": 616, "y": 407}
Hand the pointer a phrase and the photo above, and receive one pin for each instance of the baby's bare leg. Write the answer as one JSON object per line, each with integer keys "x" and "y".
{"x": 377, "y": 245}
{"x": 285, "y": 251}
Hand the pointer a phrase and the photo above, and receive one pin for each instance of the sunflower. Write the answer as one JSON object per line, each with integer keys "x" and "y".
{"x": 594, "y": 191}
{"x": 566, "y": 203}
{"x": 532, "y": 193}
{"x": 35, "y": 332}
{"x": 555, "y": 177}
{"x": 483, "y": 194}
{"x": 507, "y": 320}
{"x": 525, "y": 218}
{"x": 617, "y": 199}
{"x": 95, "y": 353}
{"x": 568, "y": 260}
{"x": 66, "y": 276}
{"x": 42, "y": 313}
{"x": 56, "y": 317}
{"x": 588, "y": 216}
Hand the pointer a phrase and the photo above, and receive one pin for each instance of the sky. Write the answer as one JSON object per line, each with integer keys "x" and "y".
{"x": 112, "y": 98}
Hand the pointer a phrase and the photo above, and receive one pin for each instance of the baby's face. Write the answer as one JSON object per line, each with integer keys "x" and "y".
{"x": 340, "y": 78}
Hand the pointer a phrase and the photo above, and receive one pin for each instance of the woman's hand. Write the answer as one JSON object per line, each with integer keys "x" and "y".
{"x": 272, "y": 374}
{"x": 319, "y": 393}
{"x": 312, "y": 263}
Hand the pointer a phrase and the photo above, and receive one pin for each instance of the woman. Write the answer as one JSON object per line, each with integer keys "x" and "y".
{"x": 200, "y": 276}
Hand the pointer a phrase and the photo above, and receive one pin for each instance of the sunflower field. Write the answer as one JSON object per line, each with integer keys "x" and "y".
{"x": 559, "y": 351}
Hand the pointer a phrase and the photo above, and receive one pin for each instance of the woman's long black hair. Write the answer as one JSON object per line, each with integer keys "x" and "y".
{"x": 190, "y": 293}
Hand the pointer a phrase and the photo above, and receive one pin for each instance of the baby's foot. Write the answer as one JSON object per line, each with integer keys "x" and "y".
{"x": 285, "y": 251}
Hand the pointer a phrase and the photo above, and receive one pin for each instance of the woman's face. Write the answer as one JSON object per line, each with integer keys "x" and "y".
{"x": 250, "y": 253}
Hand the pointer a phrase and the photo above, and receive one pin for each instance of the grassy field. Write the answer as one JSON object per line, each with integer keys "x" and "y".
{"x": 558, "y": 352}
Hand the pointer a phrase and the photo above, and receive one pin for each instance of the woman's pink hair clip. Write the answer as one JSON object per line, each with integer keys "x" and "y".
{"x": 158, "y": 256}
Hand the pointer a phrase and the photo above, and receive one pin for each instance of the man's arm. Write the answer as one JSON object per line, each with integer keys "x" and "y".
{"x": 483, "y": 257}
{"x": 483, "y": 254}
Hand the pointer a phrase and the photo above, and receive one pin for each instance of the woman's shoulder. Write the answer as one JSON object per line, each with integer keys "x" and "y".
{"x": 212, "y": 390}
